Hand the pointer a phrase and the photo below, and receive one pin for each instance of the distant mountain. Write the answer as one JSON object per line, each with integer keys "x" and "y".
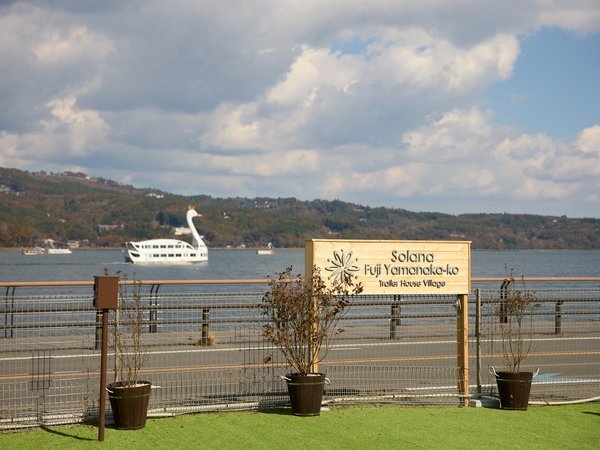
{"x": 98, "y": 212}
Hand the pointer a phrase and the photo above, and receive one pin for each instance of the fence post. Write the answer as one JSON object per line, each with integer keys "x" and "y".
{"x": 504, "y": 289}
{"x": 106, "y": 297}
{"x": 98, "y": 329}
{"x": 478, "y": 337}
{"x": 205, "y": 329}
{"x": 462, "y": 341}
{"x": 558, "y": 317}
{"x": 395, "y": 316}
{"x": 153, "y": 325}
{"x": 12, "y": 314}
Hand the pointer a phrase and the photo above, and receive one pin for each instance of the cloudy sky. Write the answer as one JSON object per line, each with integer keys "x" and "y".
{"x": 429, "y": 105}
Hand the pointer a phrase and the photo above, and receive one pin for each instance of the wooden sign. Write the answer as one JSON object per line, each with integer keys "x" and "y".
{"x": 393, "y": 267}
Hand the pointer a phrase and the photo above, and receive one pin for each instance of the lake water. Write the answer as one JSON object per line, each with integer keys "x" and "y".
{"x": 82, "y": 265}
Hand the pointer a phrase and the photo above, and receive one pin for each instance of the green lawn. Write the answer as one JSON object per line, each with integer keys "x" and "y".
{"x": 360, "y": 427}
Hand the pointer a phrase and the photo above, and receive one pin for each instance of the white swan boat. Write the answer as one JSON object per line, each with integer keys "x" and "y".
{"x": 169, "y": 251}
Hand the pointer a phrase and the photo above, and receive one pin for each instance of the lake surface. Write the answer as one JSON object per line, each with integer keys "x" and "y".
{"x": 82, "y": 265}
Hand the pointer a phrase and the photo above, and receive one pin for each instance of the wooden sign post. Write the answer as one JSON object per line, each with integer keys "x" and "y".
{"x": 402, "y": 267}
{"x": 106, "y": 297}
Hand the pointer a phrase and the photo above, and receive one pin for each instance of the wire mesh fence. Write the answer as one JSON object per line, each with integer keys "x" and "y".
{"x": 562, "y": 342}
{"x": 205, "y": 351}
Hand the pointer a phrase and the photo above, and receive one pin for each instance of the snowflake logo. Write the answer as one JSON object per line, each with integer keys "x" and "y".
{"x": 342, "y": 267}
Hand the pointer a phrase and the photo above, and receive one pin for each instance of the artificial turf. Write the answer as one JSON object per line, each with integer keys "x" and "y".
{"x": 381, "y": 427}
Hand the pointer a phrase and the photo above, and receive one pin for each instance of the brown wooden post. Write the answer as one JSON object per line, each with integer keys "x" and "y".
{"x": 103, "y": 367}
{"x": 106, "y": 297}
{"x": 308, "y": 274}
{"x": 462, "y": 335}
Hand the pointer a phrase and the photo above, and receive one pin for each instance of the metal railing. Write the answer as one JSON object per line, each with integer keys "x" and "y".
{"x": 205, "y": 349}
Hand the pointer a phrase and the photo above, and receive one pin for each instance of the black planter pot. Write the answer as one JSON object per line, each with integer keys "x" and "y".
{"x": 514, "y": 389}
{"x": 306, "y": 393}
{"x": 129, "y": 404}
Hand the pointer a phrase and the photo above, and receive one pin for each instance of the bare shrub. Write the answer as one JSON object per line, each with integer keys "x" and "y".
{"x": 516, "y": 322}
{"x": 303, "y": 316}
{"x": 127, "y": 334}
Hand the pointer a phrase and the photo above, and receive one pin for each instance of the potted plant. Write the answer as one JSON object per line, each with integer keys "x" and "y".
{"x": 128, "y": 394}
{"x": 303, "y": 315}
{"x": 514, "y": 312}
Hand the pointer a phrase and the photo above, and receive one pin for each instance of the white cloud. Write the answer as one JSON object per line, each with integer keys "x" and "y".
{"x": 582, "y": 16}
{"x": 234, "y": 128}
{"x": 296, "y": 162}
{"x": 471, "y": 156}
{"x": 69, "y": 132}
{"x": 378, "y": 102}
{"x": 588, "y": 140}
{"x": 399, "y": 181}
{"x": 330, "y": 98}
{"x": 457, "y": 136}
{"x": 541, "y": 190}
{"x": 44, "y": 57}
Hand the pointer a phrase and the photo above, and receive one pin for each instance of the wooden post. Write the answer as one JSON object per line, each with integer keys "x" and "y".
{"x": 308, "y": 274}
{"x": 478, "y": 338}
{"x": 103, "y": 368}
{"x": 462, "y": 334}
{"x": 106, "y": 297}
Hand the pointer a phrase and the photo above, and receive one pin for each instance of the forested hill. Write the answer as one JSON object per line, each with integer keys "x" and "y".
{"x": 98, "y": 212}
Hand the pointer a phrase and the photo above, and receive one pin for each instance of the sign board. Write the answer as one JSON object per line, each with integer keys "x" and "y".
{"x": 106, "y": 292}
{"x": 394, "y": 267}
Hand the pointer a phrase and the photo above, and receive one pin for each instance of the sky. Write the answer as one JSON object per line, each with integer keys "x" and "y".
{"x": 468, "y": 106}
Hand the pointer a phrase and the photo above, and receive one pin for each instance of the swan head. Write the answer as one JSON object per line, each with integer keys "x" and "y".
{"x": 192, "y": 213}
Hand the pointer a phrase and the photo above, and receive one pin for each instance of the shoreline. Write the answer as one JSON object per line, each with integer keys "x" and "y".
{"x": 284, "y": 249}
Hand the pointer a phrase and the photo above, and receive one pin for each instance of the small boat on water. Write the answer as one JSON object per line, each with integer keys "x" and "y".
{"x": 59, "y": 251}
{"x": 33, "y": 251}
{"x": 268, "y": 250}
{"x": 169, "y": 251}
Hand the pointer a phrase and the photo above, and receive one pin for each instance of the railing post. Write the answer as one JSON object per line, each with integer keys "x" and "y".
{"x": 395, "y": 316}
{"x": 558, "y": 317}
{"x": 98, "y": 343}
{"x": 462, "y": 341}
{"x": 478, "y": 337}
{"x": 504, "y": 289}
{"x": 12, "y": 313}
{"x": 153, "y": 325}
{"x": 205, "y": 329}
{"x": 6, "y": 312}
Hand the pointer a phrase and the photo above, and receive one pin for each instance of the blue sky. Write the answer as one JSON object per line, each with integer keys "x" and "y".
{"x": 458, "y": 107}
{"x": 554, "y": 88}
